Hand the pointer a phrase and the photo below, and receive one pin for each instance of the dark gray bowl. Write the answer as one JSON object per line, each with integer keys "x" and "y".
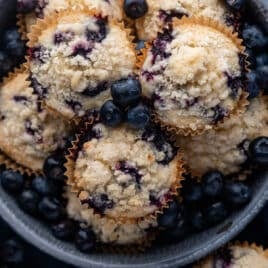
{"x": 175, "y": 255}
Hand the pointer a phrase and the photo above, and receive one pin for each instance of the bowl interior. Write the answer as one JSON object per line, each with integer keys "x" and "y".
{"x": 174, "y": 255}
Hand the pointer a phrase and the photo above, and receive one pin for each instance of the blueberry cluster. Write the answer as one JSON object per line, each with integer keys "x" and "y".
{"x": 12, "y": 50}
{"x": 256, "y": 43}
{"x": 204, "y": 204}
{"x": 210, "y": 201}
{"x": 41, "y": 196}
{"x": 126, "y": 105}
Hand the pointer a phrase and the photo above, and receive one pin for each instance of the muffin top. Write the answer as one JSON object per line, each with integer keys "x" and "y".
{"x": 25, "y": 126}
{"x": 107, "y": 230}
{"x": 237, "y": 256}
{"x": 162, "y": 12}
{"x": 125, "y": 173}
{"x": 225, "y": 149}
{"x": 193, "y": 74}
{"x": 111, "y": 8}
{"x": 75, "y": 57}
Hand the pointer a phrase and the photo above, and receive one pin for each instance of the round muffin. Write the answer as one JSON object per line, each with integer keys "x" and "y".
{"x": 124, "y": 173}
{"x": 162, "y": 12}
{"x": 111, "y": 8}
{"x": 193, "y": 75}
{"x": 73, "y": 57}
{"x": 110, "y": 231}
{"x": 225, "y": 149}
{"x": 28, "y": 134}
{"x": 235, "y": 256}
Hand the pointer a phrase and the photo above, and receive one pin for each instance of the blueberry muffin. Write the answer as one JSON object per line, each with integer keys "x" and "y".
{"x": 124, "y": 173}
{"x": 28, "y": 134}
{"x": 43, "y": 8}
{"x": 237, "y": 256}
{"x": 225, "y": 148}
{"x": 162, "y": 12}
{"x": 193, "y": 75}
{"x": 75, "y": 56}
{"x": 110, "y": 231}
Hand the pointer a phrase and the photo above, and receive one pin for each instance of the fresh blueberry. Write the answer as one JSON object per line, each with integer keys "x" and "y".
{"x": 262, "y": 76}
{"x": 50, "y": 209}
{"x": 138, "y": 116}
{"x": 169, "y": 217}
{"x": 7, "y": 14}
{"x": 43, "y": 186}
{"x": 64, "y": 230}
{"x": 28, "y": 201}
{"x": 12, "y": 181}
{"x": 192, "y": 193}
{"x": 254, "y": 37}
{"x": 85, "y": 240}
{"x": 258, "y": 151}
{"x": 126, "y": 92}
{"x": 198, "y": 220}
{"x": 236, "y": 4}
{"x": 262, "y": 59}
{"x": 6, "y": 63}
{"x": 140, "y": 45}
{"x": 11, "y": 252}
{"x": 175, "y": 234}
{"x": 252, "y": 85}
{"x": 13, "y": 44}
{"x": 215, "y": 213}
{"x": 53, "y": 167}
{"x": 236, "y": 193}
{"x": 212, "y": 183}
{"x": 26, "y": 6}
{"x": 110, "y": 114}
{"x": 135, "y": 9}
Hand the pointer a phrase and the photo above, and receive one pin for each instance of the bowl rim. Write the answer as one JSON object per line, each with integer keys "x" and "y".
{"x": 24, "y": 224}
{"x": 19, "y": 221}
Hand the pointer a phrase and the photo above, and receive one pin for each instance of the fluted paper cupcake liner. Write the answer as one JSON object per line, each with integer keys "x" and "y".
{"x": 52, "y": 20}
{"x": 71, "y": 181}
{"x": 242, "y": 103}
{"x": 24, "y": 24}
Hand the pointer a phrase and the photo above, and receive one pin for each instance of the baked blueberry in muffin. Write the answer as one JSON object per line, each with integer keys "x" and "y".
{"x": 75, "y": 58}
